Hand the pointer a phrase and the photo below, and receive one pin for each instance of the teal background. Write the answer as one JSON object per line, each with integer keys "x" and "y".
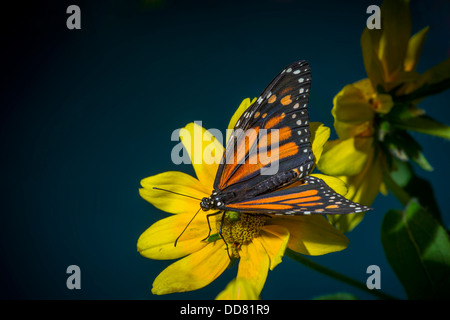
{"x": 86, "y": 114}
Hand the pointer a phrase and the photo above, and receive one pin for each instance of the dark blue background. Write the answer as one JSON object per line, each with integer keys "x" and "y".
{"x": 86, "y": 114}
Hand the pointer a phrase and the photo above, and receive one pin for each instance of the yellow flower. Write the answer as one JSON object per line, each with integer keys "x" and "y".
{"x": 258, "y": 242}
{"x": 354, "y": 158}
{"x": 364, "y": 111}
{"x": 238, "y": 289}
{"x": 391, "y": 54}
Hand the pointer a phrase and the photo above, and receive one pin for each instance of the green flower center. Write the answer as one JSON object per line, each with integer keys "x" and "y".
{"x": 239, "y": 229}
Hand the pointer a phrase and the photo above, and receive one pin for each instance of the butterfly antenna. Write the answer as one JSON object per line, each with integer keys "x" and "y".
{"x": 176, "y": 240}
{"x": 180, "y": 194}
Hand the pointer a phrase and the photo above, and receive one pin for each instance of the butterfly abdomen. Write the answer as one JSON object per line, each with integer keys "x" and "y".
{"x": 274, "y": 182}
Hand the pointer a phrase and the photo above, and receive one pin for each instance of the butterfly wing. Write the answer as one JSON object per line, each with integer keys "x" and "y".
{"x": 313, "y": 196}
{"x": 270, "y": 146}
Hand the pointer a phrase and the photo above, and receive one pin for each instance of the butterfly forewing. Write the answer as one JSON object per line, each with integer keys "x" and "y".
{"x": 270, "y": 145}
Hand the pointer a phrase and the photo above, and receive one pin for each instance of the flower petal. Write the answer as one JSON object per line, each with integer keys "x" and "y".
{"x": 346, "y": 222}
{"x": 312, "y": 235}
{"x": 178, "y": 182}
{"x": 157, "y": 242}
{"x": 194, "y": 271}
{"x": 319, "y": 135}
{"x": 338, "y": 185}
{"x": 238, "y": 289}
{"x": 242, "y": 107}
{"x": 362, "y": 188}
{"x": 205, "y": 152}
{"x": 274, "y": 240}
{"x": 415, "y": 46}
{"x": 352, "y": 111}
{"x": 396, "y": 30}
{"x": 434, "y": 75}
{"x": 254, "y": 264}
{"x": 370, "y": 40}
{"x": 345, "y": 157}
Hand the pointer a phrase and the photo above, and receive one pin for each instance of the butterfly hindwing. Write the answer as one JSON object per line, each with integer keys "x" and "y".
{"x": 270, "y": 145}
{"x": 312, "y": 197}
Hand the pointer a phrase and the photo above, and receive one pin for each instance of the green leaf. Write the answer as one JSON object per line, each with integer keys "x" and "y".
{"x": 421, "y": 189}
{"x": 396, "y": 189}
{"x": 403, "y": 146}
{"x": 423, "y": 124}
{"x": 402, "y": 172}
{"x": 420, "y": 159}
{"x": 214, "y": 237}
{"x": 418, "y": 249}
{"x": 432, "y": 81}
{"x": 412, "y": 186}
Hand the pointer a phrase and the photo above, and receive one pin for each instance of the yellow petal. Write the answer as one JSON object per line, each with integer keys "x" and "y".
{"x": 319, "y": 135}
{"x": 178, "y": 182}
{"x": 254, "y": 264}
{"x": 362, "y": 188}
{"x": 352, "y": 111}
{"x": 396, "y": 30}
{"x": 205, "y": 152}
{"x": 338, "y": 185}
{"x": 433, "y": 75}
{"x": 312, "y": 235}
{"x": 242, "y": 107}
{"x": 370, "y": 40}
{"x": 238, "y": 289}
{"x": 274, "y": 240}
{"x": 415, "y": 46}
{"x": 346, "y": 222}
{"x": 378, "y": 102}
{"x": 382, "y": 103}
{"x": 240, "y": 110}
{"x": 345, "y": 157}
{"x": 194, "y": 271}
{"x": 157, "y": 242}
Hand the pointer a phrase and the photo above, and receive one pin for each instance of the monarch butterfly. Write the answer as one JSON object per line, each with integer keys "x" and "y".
{"x": 240, "y": 186}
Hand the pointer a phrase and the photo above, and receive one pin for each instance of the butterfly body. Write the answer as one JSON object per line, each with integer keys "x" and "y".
{"x": 277, "y": 123}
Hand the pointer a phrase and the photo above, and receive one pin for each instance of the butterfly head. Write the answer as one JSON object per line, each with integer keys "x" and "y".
{"x": 211, "y": 202}
{"x": 215, "y": 201}
{"x": 207, "y": 204}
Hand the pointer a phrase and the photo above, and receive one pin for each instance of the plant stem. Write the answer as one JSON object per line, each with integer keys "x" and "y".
{"x": 396, "y": 190}
{"x": 336, "y": 275}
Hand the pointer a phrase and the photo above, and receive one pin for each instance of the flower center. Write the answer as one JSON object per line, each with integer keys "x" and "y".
{"x": 381, "y": 103}
{"x": 239, "y": 229}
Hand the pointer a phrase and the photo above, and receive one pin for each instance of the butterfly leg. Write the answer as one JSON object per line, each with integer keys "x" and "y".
{"x": 220, "y": 230}
{"x": 209, "y": 224}
{"x": 220, "y": 234}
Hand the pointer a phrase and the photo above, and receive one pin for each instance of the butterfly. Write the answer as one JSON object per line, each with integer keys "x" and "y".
{"x": 240, "y": 184}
